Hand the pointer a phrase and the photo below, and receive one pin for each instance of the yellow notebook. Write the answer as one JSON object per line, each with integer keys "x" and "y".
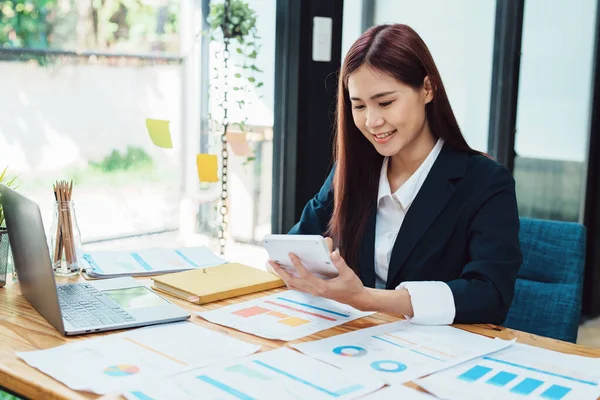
{"x": 204, "y": 285}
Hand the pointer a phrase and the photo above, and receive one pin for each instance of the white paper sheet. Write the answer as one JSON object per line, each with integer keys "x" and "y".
{"x": 519, "y": 372}
{"x": 120, "y": 361}
{"x": 104, "y": 264}
{"x": 397, "y": 392}
{"x": 281, "y": 374}
{"x": 399, "y": 352}
{"x": 287, "y": 315}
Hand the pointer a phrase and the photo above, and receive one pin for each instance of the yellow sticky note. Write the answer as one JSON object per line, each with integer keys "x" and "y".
{"x": 158, "y": 130}
{"x": 207, "y": 167}
{"x": 238, "y": 143}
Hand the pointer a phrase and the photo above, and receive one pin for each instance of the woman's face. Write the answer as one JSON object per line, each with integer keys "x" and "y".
{"x": 388, "y": 112}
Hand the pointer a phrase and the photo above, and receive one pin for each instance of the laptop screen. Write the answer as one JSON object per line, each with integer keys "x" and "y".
{"x": 30, "y": 255}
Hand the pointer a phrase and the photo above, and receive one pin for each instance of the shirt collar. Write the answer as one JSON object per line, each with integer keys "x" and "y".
{"x": 408, "y": 191}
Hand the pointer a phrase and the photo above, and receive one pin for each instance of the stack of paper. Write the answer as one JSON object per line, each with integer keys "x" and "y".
{"x": 400, "y": 351}
{"x": 278, "y": 374}
{"x": 155, "y": 261}
{"x": 121, "y": 361}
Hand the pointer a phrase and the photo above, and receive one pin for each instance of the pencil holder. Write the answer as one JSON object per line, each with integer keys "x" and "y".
{"x": 65, "y": 245}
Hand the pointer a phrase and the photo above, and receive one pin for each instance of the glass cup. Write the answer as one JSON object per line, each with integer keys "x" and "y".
{"x": 65, "y": 243}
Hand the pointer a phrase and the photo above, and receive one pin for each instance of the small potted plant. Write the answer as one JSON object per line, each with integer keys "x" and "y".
{"x": 4, "y": 249}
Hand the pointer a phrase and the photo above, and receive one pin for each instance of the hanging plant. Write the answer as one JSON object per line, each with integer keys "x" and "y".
{"x": 234, "y": 23}
{"x": 235, "y": 19}
{"x": 233, "y": 26}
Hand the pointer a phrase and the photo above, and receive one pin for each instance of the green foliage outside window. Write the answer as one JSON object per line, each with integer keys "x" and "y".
{"x": 134, "y": 158}
{"x": 26, "y": 23}
{"x": 121, "y": 25}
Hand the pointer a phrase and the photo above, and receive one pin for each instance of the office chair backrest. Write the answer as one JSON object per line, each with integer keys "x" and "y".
{"x": 548, "y": 291}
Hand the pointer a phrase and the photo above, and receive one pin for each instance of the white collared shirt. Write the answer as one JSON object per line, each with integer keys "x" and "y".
{"x": 432, "y": 302}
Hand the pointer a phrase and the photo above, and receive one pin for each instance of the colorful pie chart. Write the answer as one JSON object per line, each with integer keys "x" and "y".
{"x": 121, "y": 370}
{"x": 350, "y": 351}
{"x": 388, "y": 366}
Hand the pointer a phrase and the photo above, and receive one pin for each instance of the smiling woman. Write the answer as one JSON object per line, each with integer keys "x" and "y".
{"x": 425, "y": 225}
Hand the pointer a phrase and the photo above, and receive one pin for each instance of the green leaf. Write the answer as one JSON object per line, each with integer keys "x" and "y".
{"x": 239, "y": 51}
{"x": 252, "y": 55}
{"x": 251, "y": 79}
{"x": 259, "y": 84}
{"x": 238, "y": 75}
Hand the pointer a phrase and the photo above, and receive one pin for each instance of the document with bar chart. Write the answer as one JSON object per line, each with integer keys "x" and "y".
{"x": 287, "y": 315}
{"x": 400, "y": 351}
{"x": 281, "y": 374}
{"x": 519, "y": 372}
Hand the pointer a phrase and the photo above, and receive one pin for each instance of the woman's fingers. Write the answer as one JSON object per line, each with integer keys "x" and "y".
{"x": 329, "y": 242}
{"x": 290, "y": 280}
{"x": 311, "y": 283}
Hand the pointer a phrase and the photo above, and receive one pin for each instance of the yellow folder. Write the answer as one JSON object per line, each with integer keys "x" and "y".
{"x": 204, "y": 285}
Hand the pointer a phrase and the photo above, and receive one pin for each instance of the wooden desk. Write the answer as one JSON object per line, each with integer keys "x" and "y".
{"x": 23, "y": 329}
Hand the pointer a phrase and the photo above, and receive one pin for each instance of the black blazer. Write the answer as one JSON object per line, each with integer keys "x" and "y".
{"x": 462, "y": 229}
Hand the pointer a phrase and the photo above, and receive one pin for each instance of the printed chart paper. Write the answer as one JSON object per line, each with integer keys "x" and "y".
{"x": 281, "y": 374}
{"x": 287, "y": 315}
{"x": 121, "y": 361}
{"x": 400, "y": 351}
{"x": 398, "y": 392}
{"x": 519, "y": 372}
{"x": 148, "y": 261}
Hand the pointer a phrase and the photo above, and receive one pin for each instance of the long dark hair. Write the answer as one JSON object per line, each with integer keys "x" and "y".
{"x": 396, "y": 50}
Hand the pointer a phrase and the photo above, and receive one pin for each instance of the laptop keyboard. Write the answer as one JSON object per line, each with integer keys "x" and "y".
{"x": 84, "y": 306}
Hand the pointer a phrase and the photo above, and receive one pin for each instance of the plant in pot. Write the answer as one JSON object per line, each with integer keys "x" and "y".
{"x": 4, "y": 247}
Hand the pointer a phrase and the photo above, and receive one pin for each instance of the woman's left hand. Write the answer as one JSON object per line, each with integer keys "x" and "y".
{"x": 346, "y": 288}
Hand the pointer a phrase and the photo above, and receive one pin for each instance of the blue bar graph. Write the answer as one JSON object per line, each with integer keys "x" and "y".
{"x": 141, "y": 261}
{"x": 541, "y": 371}
{"x": 555, "y": 392}
{"x": 186, "y": 259}
{"x": 313, "y": 307}
{"x": 474, "y": 373}
{"x": 501, "y": 378}
{"x": 225, "y": 388}
{"x": 338, "y": 393}
{"x": 526, "y": 386}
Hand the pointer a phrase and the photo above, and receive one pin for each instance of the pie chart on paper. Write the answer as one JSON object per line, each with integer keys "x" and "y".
{"x": 121, "y": 370}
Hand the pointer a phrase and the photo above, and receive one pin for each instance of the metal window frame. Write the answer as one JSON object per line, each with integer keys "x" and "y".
{"x": 591, "y": 283}
{"x": 505, "y": 81}
{"x": 368, "y": 14}
{"x": 285, "y": 134}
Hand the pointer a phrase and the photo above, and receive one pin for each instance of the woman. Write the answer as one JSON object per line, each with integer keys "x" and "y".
{"x": 426, "y": 227}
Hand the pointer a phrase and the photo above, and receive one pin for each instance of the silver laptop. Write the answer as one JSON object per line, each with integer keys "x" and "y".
{"x": 75, "y": 308}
